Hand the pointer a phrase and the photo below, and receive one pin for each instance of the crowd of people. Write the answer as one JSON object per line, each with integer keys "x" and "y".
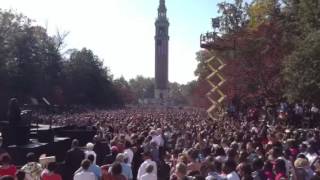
{"x": 304, "y": 115}
{"x": 180, "y": 144}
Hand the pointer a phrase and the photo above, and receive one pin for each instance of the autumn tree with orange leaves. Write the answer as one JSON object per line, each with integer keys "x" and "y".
{"x": 273, "y": 41}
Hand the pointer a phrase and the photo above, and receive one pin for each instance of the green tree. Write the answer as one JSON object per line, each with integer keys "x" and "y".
{"x": 301, "y": 66}
{"x": 176, "y": 94}
{"x": 31, "y": 65}
{"x": 302, "y": 70}
{"x": 29, "y": 58}
{"x": 36, "y": 68}
{"x": 87, "y": 81}
{"x": 262, "y": 11}
{"x": 30, "y": 61}
{"x": 233, "y": 17}
{"x": 201, "y": 56}
{"x": 201, "y": 87}
{"x": 142, "y": 87}
{"x": 124, "y": 90}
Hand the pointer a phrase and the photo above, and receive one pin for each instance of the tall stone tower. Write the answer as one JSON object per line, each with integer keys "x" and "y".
{"x": 161, "y": 53}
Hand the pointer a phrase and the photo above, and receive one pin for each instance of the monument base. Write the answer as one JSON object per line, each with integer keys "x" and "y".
{"x": 161, "y": 94}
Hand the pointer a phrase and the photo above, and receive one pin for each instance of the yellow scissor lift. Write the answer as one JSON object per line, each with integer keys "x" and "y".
{"x": 215, "y": 86}
{"x": 214, "y": 43}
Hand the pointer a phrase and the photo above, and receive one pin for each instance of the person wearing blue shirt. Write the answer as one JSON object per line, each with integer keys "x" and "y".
{"x": 126, "y": 169}
{"x": 95, "y": 169}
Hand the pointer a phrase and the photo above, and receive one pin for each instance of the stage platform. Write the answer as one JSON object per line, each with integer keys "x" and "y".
{"x": 54, "y": 141}
{"x": 56, "y": 148}
{"x": 42, "y": 127}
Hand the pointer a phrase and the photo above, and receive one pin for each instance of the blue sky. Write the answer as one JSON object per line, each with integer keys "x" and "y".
{"x": 122, "y": 31}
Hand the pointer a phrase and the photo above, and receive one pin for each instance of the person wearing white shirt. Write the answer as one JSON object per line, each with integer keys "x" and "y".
{"x": 232, "y": 176}
{"x": 89, "y": 151}
{"x": 161, "y": 140}
{"x": 149, "y": 174}
{"x": 311, "y": 157}
{"x": 229, "y": 168}
{"x": 311, "y": 154}
{"x": 128, "y": 152}
{"x": 85, "y": 174}
{"x": 145, "y": 164}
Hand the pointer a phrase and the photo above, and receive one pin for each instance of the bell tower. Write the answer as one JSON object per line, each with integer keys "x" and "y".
{"x": 161, "y": 53}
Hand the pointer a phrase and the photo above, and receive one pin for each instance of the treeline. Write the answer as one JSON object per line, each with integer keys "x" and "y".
{"x": 136, "y": 90}
{"x": 32, "y": 65}
{"x": 271, "y": 48}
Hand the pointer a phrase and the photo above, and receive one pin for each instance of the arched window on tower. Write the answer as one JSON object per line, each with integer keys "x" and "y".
{"x": 161, "y": 31}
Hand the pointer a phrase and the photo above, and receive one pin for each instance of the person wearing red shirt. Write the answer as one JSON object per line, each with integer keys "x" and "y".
{"x": 49, "y": 174}
{"x": 7, "y": 168}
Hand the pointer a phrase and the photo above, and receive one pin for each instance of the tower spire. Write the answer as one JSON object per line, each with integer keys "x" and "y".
{"x": 162, "y": 10}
